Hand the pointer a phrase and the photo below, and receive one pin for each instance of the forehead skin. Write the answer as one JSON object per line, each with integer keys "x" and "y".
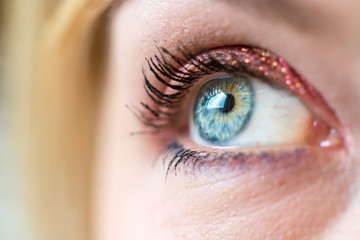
{"x": 319, "y": 38}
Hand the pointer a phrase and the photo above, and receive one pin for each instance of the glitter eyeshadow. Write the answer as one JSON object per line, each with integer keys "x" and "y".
{"x": 171, "y": 76}
{"x": 266, "y": 65}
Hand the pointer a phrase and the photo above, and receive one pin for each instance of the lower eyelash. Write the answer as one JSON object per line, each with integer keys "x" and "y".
{"x": 176, "y": 157}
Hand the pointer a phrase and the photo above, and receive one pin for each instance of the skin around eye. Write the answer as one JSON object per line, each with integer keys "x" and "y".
{"x": 270, "y": 195}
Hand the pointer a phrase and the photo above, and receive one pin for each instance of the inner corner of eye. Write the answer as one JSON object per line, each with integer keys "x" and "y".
{"x": 238, "y": 111}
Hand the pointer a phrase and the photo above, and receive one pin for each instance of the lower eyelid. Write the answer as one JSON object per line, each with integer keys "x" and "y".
{"x": 179, "y": 160}
{"x": 197, "y": 159}
{"x": 183, "y": 153}
{"x": 191, "y": 156}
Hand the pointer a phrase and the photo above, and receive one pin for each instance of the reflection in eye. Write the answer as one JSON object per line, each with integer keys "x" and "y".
{"x": 223, "y": 108}
{"x": 259, "y": 101}
{"x": 248, "y": 112}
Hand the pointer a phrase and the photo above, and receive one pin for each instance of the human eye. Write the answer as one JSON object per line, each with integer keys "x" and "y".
{"x": 233, "y": 103}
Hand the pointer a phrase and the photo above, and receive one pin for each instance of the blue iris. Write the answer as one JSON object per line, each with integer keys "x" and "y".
{"x": 223, "y": 108}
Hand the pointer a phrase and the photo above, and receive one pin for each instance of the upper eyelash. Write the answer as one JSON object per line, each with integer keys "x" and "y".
{"x": 179, "y": 73}
{"x": 166, "y": 66}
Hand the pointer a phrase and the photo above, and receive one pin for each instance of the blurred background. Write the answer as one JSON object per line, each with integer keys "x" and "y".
{"x": 14, "y": 221}
{"x": 20, "y": 22}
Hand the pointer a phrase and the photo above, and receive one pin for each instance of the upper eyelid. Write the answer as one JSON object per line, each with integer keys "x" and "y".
{"x": 181, "y": 71}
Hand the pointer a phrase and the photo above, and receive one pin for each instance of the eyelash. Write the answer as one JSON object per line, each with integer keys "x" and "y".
{"x": 166, "y": 104}
{"x": 169, "y": 71}
{"x": 192, "y": 160}
{"x": 179, "y": 73}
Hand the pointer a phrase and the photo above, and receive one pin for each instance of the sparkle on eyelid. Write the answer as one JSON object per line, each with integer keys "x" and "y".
{"x": 262, "y": 64}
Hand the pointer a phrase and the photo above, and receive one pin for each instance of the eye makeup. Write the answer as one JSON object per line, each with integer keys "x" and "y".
{"x": 177, "y": 74}
{"x": 171, "y": 76}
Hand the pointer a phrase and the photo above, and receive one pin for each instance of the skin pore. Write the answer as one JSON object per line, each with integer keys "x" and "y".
{"x": 313, "y": 196}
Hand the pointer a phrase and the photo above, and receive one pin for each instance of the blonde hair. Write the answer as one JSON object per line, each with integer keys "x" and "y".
{"x": 60, "y": 56}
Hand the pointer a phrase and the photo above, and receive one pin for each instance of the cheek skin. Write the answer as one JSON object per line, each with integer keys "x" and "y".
{"x": 293, "y": 199}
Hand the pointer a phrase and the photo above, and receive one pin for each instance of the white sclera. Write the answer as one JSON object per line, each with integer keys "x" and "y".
{"x": 278, "y": 118}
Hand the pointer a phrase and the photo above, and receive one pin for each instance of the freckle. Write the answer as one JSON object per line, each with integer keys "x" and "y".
{"x": 281, "y": 182}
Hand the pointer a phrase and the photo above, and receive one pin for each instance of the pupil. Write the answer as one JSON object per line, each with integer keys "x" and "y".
{"x": 228, "y": 104}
